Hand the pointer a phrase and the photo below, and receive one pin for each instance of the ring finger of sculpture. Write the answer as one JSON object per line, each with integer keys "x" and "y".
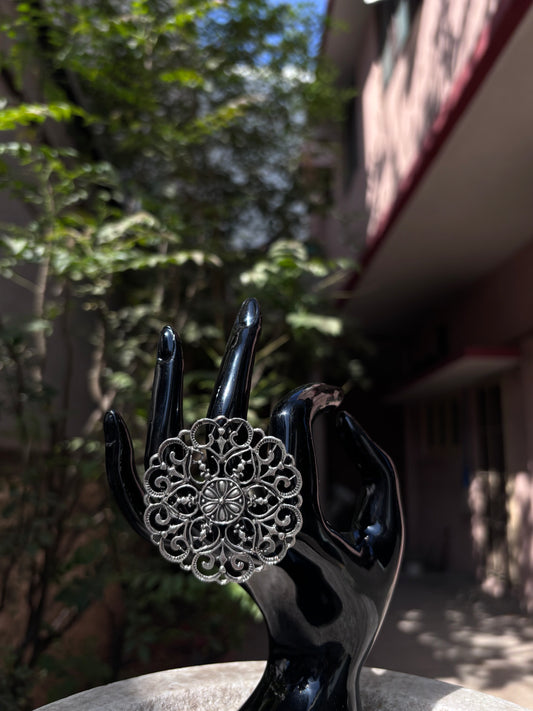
{"x": 222, "y": 501}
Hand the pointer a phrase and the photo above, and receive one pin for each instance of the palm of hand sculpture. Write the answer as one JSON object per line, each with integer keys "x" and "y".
{"x": 324, "y": 601}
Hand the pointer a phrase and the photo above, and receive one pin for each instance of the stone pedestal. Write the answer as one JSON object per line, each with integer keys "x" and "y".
{"x": 224, "y": 687}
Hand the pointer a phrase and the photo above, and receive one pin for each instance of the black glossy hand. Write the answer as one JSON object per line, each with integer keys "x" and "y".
{"x": 324, "y": 602}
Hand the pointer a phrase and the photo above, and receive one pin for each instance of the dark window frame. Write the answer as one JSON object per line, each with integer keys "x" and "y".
{"x": 394, "y": 24}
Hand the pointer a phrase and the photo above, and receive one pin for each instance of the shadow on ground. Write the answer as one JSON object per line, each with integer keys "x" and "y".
{"x": 444, "y": 627}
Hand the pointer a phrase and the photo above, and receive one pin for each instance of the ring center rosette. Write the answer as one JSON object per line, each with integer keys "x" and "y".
{"x": 223, "y": 500}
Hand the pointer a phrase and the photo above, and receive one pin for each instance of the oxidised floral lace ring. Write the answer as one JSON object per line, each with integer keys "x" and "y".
{"x": 223, "y": 500}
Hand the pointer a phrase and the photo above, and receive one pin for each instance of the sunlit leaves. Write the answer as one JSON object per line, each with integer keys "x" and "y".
{"x": 285, "y": 261}
{"x": 185, "y": 77}
{"x": 326, "y": 325}
{"x": 13, "y": 117}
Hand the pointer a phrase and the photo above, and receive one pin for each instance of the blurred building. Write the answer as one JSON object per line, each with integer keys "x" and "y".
{"x": 433, "y": 190}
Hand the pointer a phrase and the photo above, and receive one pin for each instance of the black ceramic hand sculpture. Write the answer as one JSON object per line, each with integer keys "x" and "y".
{"x": 324, "y": 602}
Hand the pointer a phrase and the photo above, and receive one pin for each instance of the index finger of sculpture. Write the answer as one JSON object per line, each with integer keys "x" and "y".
{"x": 121, "y": 472}
{"x": 166, "y": 410}
{"x": 291, "y": 422}
{"x": 232, "y": 389}
{"x": 378, "y": 522}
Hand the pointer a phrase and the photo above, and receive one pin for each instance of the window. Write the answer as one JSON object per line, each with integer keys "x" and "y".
{"x": 395, "y": 19}
{"x": 490, "y": 427}
{"x": 442, "y": 424}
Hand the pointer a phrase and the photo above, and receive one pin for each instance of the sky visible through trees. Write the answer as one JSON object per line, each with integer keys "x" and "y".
{"x": 319, "y": 8}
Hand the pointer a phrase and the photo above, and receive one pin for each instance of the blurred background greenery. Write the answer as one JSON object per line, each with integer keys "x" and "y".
{"x": 151, "y": 173}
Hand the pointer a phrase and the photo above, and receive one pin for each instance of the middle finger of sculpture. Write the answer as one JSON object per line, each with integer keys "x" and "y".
{"x": 231, "y": 503}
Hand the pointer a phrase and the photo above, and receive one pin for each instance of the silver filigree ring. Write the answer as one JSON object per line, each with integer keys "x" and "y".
{"x": 223, "y": 500}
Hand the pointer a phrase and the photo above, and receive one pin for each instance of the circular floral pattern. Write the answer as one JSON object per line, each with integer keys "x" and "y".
{"x": 223, "y": 500}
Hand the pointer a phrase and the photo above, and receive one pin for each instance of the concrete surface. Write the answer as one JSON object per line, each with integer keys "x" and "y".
{"x": 444, "y": 627}
{"x": 438, "y": 626}
{"x": 226, "y": 686}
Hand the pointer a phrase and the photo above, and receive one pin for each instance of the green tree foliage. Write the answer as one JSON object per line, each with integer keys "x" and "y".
{"x": 150, "y": 152}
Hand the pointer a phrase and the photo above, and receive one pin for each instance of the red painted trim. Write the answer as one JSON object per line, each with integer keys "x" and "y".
{"x": 493, "y": 38}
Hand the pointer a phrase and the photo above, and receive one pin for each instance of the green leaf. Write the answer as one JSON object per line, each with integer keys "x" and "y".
{"x": 185, "y": 77}
{"x": 328, "y": 325}
{"x": 27, "y": 114}
{"x": 15, "y": 245}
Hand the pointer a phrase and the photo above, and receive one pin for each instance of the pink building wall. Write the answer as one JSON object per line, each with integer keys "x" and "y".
{"x": 443, "y": 40}
{"x": 402, "y": 121}
{"x": 497, "y": 310}
{"x": 397, "y": 117}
